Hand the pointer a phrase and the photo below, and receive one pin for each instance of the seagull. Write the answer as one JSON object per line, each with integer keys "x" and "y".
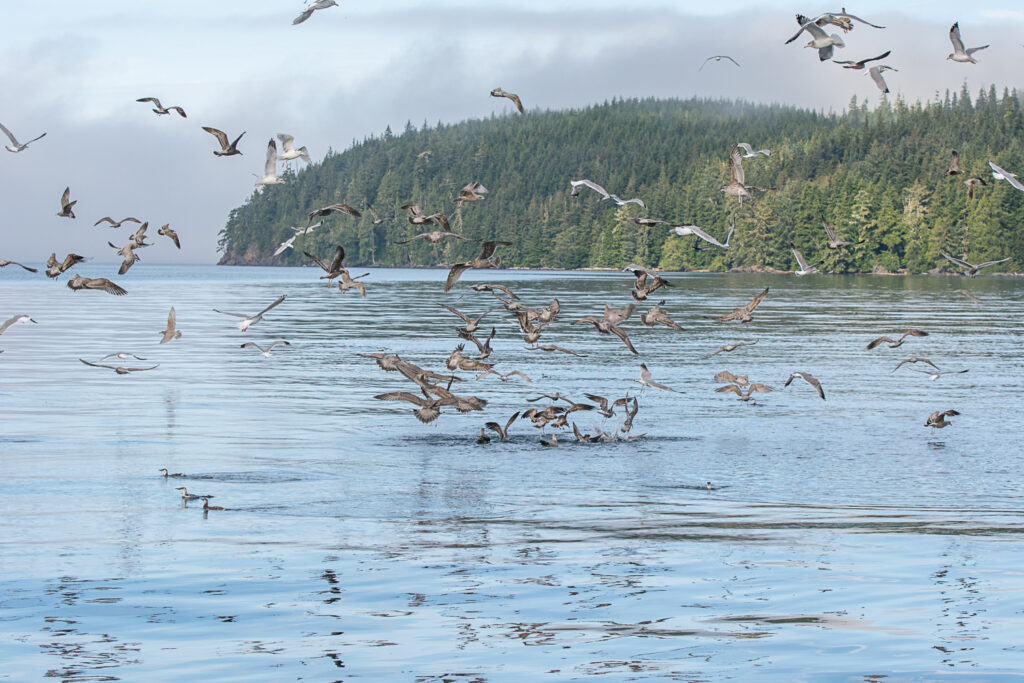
{"x": 736, "y": 186}
{"x": 608, "y": 324}
{"x": 491, "y": 288}
{"x": 970, "y": 183}
{"x": 752, "y": 389}
{"x": 128, "y": 254}
{"x": 435, "y": 237}
{"x": 312, "y": 7}
{"x": 726, "y": 376}
{"x": 645, "y": 380}
{"x": 498, "y": 92}
{"x": 139, "y": 238}
{"x": 505, "y": 377}
{"x": 551, "y": 347}
{"x": 119, "y": 369}
{"x": 4, "y": 263}
{"x": 430, "y": 408}
{"x": 171, "y": 331}
{"x": 116, "y": 224}
{"x": 486, "y": 259}
{"x": 327, "y": 211}
{"x": 248, "y": 320}
{"x": 804, "y": 268}
{"x": 484, "y": 348}
{"x": 960, "y": 54}
{"x": 876, "y": 75}
{"x": 121, "y": 356}
{"x": 841, "y": 19}
{"x": 54, "y": 269}
{"x": 78, "y": 282}
{"x": 821, "y": 41}
{"x": 16, "y": 146}
{"x": 552, "y": 442}
{"x": 159, "y": 109}
{"x": 270, "y": 167}
{"x": 896, "y": 343}
{"x": 16, "y": 319}
{"x": 348, "y": 282}
{"x": 483, "y": 438}
{"x": 954, "y": 164}
{"x": 473, "y": 192}
{"x": 226, "y": 150}
{"x": 810, "y": 379}
{"x": 969, "y": 295}
{"x": 288, "y": 151}
{"x": 641, "y": 289}
{"x": 166, "y": 231}
{"x": 729, "y": 348}
{"x": 698, "y": 246}
{"x": 377, "y": 220}
{"x": 417, "y": 217}
{"x": 472, "y": 324}
{"x": 859, "y": 65}
{"x": 265, "y": 352}
{"x": 939, "y": 373}
{"x": 970, "y": 270}
{"x": 657, "y": 316}
{"x": 685, "y": 230}
{"x": 914, "y": 359}
{"x": 65, "y": 205}
{"x": 717, "y": 58}
{"x": 937, "y": 420}
{"x": 1000, "y": 174}
{"x": 577, "y": 184}
{"x": 750, "y": 153}
{"x": 744, "y": 314}
{"x": 834, "y": 242}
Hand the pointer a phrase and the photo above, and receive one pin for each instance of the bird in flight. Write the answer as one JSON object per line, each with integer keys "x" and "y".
{"x": 810, "y": 379}
{"x": 171, "y": 331}
{"x": 161, "y": 110}
{"x": 860, "y": 65}
{"x": 78, "y": 282}
{"x": 226, "y": 149}
{"x": 717, "y": 58}
{"x": 971, "y": 270}
{"x": 16, "y": 146}
{"x": 960, "y": 53}
{"x": 265, "y": 352}
{"x": 312, "y": 7}
{"x": 744, "y": 314}
{"x": 498, "y": 92}
{"x": 577, "y": 184}
{"x": 248, "y": 320}
{"x": 65, "y": 205}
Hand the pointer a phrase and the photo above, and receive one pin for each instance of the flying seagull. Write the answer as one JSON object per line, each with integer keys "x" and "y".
{"x": 435, "y": 237}
{"x": 472, "y": 192}
{"x": 288, "y": 151}
{"x": 171, "y": 331}
{"x": 821, "y": 41}
{"x": 726, "y": 376}
{"x": 417, "y": 217}
{"x": 859, "y": 65}
{"x": 502, "y": 432}
{"x": 121, "y": 355}
{"x": 577, "y": 184}
{"x": 841, "y": 19}
{"x": 16, "y": 146}
{"x": 804, "y": 268}
{"x": 1000, "y": 174}
{"x": 608, "y": 323}
{"x": 717, "y": 58}
{"x": 896, "y": 343}
{"x": 939, "y": 373}
{"x": 54, "y": 269}
{"x": 914, "y": 359}
{"x": 960, "y": 54}
{"x": 486, "y": 259}
{"x": 166, "y": 231}
{"x": 728, "y": 348}
{"x": 876, "y": 75}
{"x": 159, "y": 109}
{"x": 498, "y": 92}
{"x": 937, "y": 420}
{"x": 744, "y": 314}
{"x": 657, "y": 316}
{"x": 969, "y": 295}
{"x": 685, "y": 230}
{"x": 226, "y": 150}
{"x": 834, "y": 242}
{"x": 327, "y": 211}
{"x": 119, "y": 369}
{"x": 645, "y": 380}
{"x": 312, "y": 7}
{"x": 16, "y": 319}
{"x": 270, "y": 167}
{"x": 78, "y": 282}
{"x": 810, "y": 379}
{"x": 641, "y": 289}
{"x": 970, "y": 183}
{"x": 139, "y": 238}
{"x": 377, "y": 220}
{"x": 348, "y": 282}
{"x": 265, "y": 352}
{"x": 971, "y": 270}
{"x": 65, "y": 205}
{"x": 472, "y": 324}
{"x": 248, "y": 320}
{"x": 4, "y": 263}
{"x": 127, "y": 252}
{"x": 750, "y": 153}
{"x": 737, "y": 187}
{"x": 116, "y": 224}
{"x": 954, "y": 164}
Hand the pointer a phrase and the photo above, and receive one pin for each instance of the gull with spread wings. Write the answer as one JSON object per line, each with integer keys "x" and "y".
{"x": 608, "y": 323}
{"x": 717, "y": 58}
{"x": 486, "y": 259}
{"x": 578, "y": 184}
{"x": 248, "y": 320}
{"x": 16, "y": 146}
{"x": 971, "y": 270}
{"x": 161, "y": 110}
{"x": 744, "y": 314}
{"x": 960, "y": 53}
{"x": 498, "y": 92}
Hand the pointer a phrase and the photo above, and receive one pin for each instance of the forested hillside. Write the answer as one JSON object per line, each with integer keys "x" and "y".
{"x": 875, "y": 175}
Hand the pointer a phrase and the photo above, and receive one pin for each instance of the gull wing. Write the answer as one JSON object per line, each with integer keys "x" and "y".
{"x": 487, "y": 251}
{"x": 622, "y": 335}
{"x": 286, "y": 141}
{"x": 736, "y": 166}
{"x": 339, "y": 257}
{"x": 708, "y": 238}
{"x": 749, "y": 308}
{"x": 306, "y": 14}
{"x": 270, "y": 166}
{"x": 280, "y": 342}
{"x": 811, "y": 27}
{"x": 10, "y": 136}
{"x": 454, "y": 274}
{"x": 992, "y": 263}
{"x": 457, "y": 312}
{"x": 956, "y": 261}
{"x": 221, "y": 136}
{"x": 588, "y": 183}
{"x": 322, "y": 264}
{"x": 276, "y": 303}
{"x": 799, "y": 259}
{"x": 876, "y": 76}
{"x": 954, "y": 37}
{"x": 1008, "y": 177}
{"x": 99, "y": 365}
{"x": 515, "y": 100}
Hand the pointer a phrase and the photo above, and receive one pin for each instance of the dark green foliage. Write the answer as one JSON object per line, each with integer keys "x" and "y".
{"x": 874, "y": 175}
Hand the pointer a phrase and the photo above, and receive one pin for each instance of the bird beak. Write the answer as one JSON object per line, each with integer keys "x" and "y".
{"x": 33, "y": 321}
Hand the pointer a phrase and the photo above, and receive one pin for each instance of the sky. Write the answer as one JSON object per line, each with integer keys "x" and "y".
{"x": 74, "y": 70}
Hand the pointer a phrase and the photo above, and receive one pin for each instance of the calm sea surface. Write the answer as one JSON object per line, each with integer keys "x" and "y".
{"x": 840, "y": 540}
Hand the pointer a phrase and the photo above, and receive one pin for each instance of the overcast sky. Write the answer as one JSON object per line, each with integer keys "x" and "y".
{"x": 74, "y": 69}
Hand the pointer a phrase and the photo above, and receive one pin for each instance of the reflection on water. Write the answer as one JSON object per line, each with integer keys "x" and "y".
{"x": 794, "y": 539}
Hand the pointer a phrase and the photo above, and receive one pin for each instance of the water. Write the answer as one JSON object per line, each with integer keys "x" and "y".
{"x": 841, "y": 540}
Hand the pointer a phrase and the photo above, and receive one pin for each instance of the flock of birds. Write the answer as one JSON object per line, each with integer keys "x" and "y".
{"x": 434, "y": 390}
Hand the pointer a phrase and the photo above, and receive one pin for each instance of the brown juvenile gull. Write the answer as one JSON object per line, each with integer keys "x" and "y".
{"x": 954, "y": 165}
{"x": 483, "y": 438}
{"x": 4, "y": 263}
{"x": 473, "y": 192}
{"x": 960, "y": 53}
{"x": 139, "y": 237}
{"x": 859, "y": 65}
{"x": 970, "y": 183}
{"x": 377, "y": 220}
{"x": 171, "y": 331}
{"x": 627, "y": 424}
{"x": 969, "y": 295}
{"x": 717, "y": 58}
{"x": 417, "y": 217}
{"x": 744, "y": 314}
{"x": 226, "y": 150}
{"x": 65, "y": 205}
{"x": 312, "y": 7}
{"x": 577, "y": 184}
{"x": 606, "y": 409}
{"x": 737, "y": 186}
{"x": 726, "y": 376}
{"x": 472, "y": 324}
{"x": 457, "y": 361}
{"x": 498, "y": 92}
{"x": 486, "y": 259}
{"x": 552, "y": 442}
{"x": 810, "y": 379}
{"x": 484, "y": 348}
{"x": 16, "y": 146}
{"x": 937, "y": 420}
{"x": 265, "y": 352}
{"x": 729, "y": 348}
{"x": 348, "y": 282}
{"x": 116, "y": 224}
{"x": 78, "y": 282}
{"x": 914, "y": 359}
{"x": 640, "y": 288}
{"x": 491, "y": 288}
{"x": 971, "y": 270}
{"x": 128, "y": 254}
{"x": 327, "y": 211}
{"x": 166, "y": 231}
{"x": 552, "y": 347}
{"x": 54, "y": 269}
{"x": 656, "y": 316}
{"x": 333, "y": 268}
{"x": 834, "y": 242}
{"x": 248, "y": 320}
{"x": 896, "y": 343}
{"x": 161, "y": 110}
{"x": 752, "y": 389}
{"x": 119, "y": 369}
{"x": 645, "y": 380}
{"x": 608, "y": 324}
{"x": 435, "y": 237}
